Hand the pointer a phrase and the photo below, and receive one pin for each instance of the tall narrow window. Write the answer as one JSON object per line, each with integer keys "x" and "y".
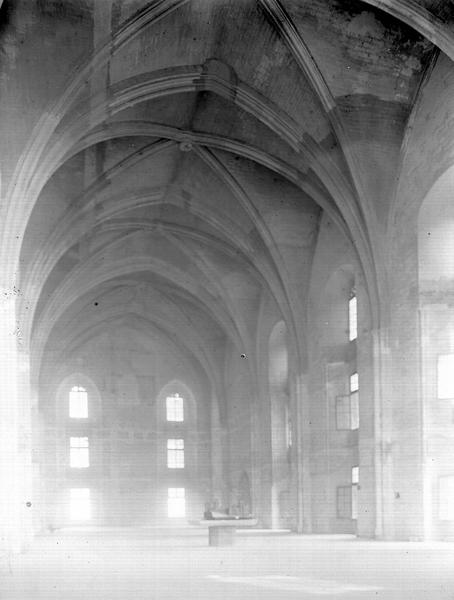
{"x": 175, "y": 454}
{"x": 355, "y": 483}
{"x": 347, "y": 407}
{"x": 78, "y": 403}
{"x": 79, "y": 504}
{"x": 78, "y": 452}
{"x": 352, "y": 318}
{"x": 445, "y": 377}
{"x": 174, "y": 408}
{"x": 354, "y": 400}
{"x": 176, "y": 504}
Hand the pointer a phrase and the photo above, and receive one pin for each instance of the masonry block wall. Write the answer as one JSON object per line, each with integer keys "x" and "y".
{"x": 127, "y": 430}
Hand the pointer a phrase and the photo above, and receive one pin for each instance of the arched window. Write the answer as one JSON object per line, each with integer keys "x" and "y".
{"x": 77, "y": 398}
{"x": 175, "y": 408}
{"x": 78, "y": 403}
{"x": 176, "y": 404}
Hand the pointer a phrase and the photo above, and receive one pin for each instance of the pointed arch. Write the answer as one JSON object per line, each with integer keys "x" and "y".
{"x": 62, "y": 392}
{"x": 173, "y": 387}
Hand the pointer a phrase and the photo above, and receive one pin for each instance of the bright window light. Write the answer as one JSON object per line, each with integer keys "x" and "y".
{"x": 354, "y": 382}
{"x": 354, "y": 401}
{"x": 79, "y": 504}
{"x": 175, "y": 454}
{"x": 352, "y": 319}
{"x": 78, "y": 452}
{"x": 446, "y": 498}
{"x": 174, "y": 408}
{"x": 445, "y": 379}
{"x": 176, "y": 504}
{"x": 78, "y": 403}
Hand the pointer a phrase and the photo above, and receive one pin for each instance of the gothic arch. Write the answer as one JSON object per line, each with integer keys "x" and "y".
{"x": 190, "y": 405}
{"x": 77, "y": 378}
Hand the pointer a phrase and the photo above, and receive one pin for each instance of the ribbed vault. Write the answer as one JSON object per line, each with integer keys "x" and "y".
{"x": 181, "y": 153}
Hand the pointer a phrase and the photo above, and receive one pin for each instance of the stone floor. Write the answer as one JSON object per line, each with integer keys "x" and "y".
{"x": 140, "y": 564}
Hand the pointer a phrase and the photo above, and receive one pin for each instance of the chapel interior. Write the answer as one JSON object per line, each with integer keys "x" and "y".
{"x": 227, "y": 288}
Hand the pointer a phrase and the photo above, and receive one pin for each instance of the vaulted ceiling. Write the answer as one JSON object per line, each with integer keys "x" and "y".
{"x": 180, "y": 174}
